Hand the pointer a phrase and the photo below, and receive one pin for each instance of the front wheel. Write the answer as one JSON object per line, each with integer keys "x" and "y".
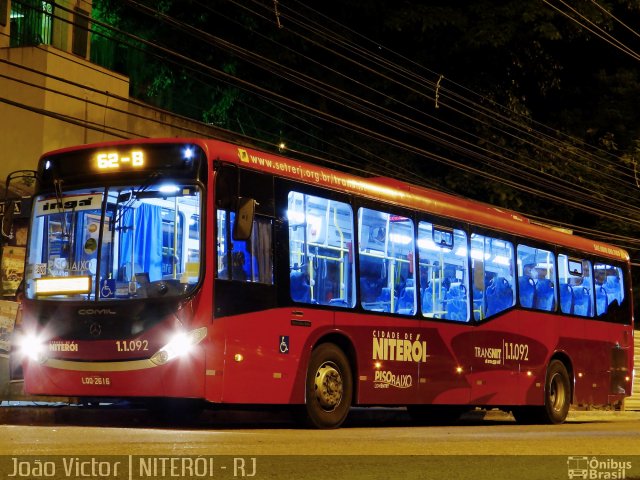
{"x": 329, "y": 387}
{"x": 557, "y": 398}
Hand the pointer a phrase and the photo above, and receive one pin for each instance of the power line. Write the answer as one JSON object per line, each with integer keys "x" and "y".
{"x": 476, "y": 108}
{"x": 354, "y": 127}
{"x": 330, "y": 92}
{"x": 138, "y": 4}
{"x": 608, "y": 13}
{"x": 596, "y": 30}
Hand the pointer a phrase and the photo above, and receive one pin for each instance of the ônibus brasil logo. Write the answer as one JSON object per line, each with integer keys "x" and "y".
{"x": 597, "y": 468}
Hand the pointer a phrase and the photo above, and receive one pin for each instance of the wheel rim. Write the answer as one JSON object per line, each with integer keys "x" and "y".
{"x": 557, "y": 393}
{"x": 328, "y": 386}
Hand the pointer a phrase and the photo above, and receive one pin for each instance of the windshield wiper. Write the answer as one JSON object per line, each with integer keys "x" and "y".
{"x": 57, "y": 186}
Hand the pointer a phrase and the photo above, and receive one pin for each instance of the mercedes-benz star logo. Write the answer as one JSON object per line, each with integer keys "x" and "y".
{"x": 95, "y": 329}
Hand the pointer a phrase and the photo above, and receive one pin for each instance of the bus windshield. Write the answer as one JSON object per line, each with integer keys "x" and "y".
{"x": 144, "y": 241}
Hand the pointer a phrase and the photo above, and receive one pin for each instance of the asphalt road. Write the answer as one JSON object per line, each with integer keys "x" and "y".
{"x": 378, "y": 443}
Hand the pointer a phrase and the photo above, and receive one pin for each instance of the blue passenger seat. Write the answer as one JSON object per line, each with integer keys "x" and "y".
{"x": 602, "y": 300}
{"x": 499, "y": 296}
{"x": 614, "y": 291}
{"x": 300, "y": 288}
{"x": 433, "y": 297}
{"x": 527, "y": 291}
{"x": 371, "y": 280}
{"x": 427, "y": 299}
{"x": 581, "y": 301}
{"x": 456, "y": 303}
{"x": 566, "y": 298}
{"x": 385, "y": 299}
{"x": 545, "y": 295}
{"x": 407, "y": 300}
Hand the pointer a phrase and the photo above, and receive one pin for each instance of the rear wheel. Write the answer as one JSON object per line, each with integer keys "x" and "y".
{"x": 329, "y": 387}
{"x": 557, "y": 398}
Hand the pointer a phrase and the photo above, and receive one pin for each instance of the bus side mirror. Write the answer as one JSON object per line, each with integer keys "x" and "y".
{"x": 245, "y": 211}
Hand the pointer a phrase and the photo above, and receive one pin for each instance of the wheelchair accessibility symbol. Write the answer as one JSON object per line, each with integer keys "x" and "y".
{"x": 107, "y": 288}
{"x": 284, "y": 343}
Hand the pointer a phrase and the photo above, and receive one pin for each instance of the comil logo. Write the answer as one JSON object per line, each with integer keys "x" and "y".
{"x": 97, "y": 311}
{"x": 597, "y": 468}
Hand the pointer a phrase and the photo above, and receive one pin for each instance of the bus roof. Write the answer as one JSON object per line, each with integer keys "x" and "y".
{"x": 387, "y": 190}
{"x": 411, "y": 196}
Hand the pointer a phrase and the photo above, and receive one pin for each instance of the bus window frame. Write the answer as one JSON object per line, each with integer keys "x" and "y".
{"x": 573, "y": 255}
{"x": 231, "y": 295}
{"x": 550, "y": 247}
{"x": 628, "y": 291}
{"x": 282, "y": 188}
{"x": 452, "y": 224}
{"x": 390, "y": 209}
{"x": 363, "y": 202}
{"x": 498, "y": 235}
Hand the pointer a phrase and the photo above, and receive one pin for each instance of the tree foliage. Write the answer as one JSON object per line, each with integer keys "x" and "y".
{"x": 544, "y": 98}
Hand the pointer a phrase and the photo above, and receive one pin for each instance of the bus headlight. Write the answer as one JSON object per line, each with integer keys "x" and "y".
{"x": 32, "y": 347}
{"x": 181, "y": 344}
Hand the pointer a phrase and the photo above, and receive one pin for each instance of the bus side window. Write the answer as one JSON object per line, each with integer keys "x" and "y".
{"x": 536, "y": 278}
{"x": 583, "y": 292}
{"x": 609, "y": 291}
{"x": 576, "y": 286}
{"x": 493, "y": 273}
{"x": 444, "y": 281}
{"x": 321, "y": 267}
{"x": 248, "y": 260}
{"x": 615, "y": 285}
{"x": 387, "y": 272}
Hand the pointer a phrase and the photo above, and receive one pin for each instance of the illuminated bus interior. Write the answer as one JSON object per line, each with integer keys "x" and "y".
{"x": 147, "y": 243}
{"x": 321, "y": 266}
{"x": 439, "y": 273}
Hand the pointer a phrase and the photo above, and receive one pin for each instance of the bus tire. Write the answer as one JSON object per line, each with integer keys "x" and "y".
{"x": 557, "y": 398}
{"x": 557, "y": 393}
{"x": 329, "y": 387}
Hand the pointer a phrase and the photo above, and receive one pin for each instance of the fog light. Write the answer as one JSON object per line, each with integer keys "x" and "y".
{"x": 180, "y": 345}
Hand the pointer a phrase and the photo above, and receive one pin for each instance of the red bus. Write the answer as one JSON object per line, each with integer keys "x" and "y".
{"x": 197, "y": 269}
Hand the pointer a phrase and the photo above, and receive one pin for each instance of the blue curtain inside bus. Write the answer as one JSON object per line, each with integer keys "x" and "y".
{"x": 142, "y": 227}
